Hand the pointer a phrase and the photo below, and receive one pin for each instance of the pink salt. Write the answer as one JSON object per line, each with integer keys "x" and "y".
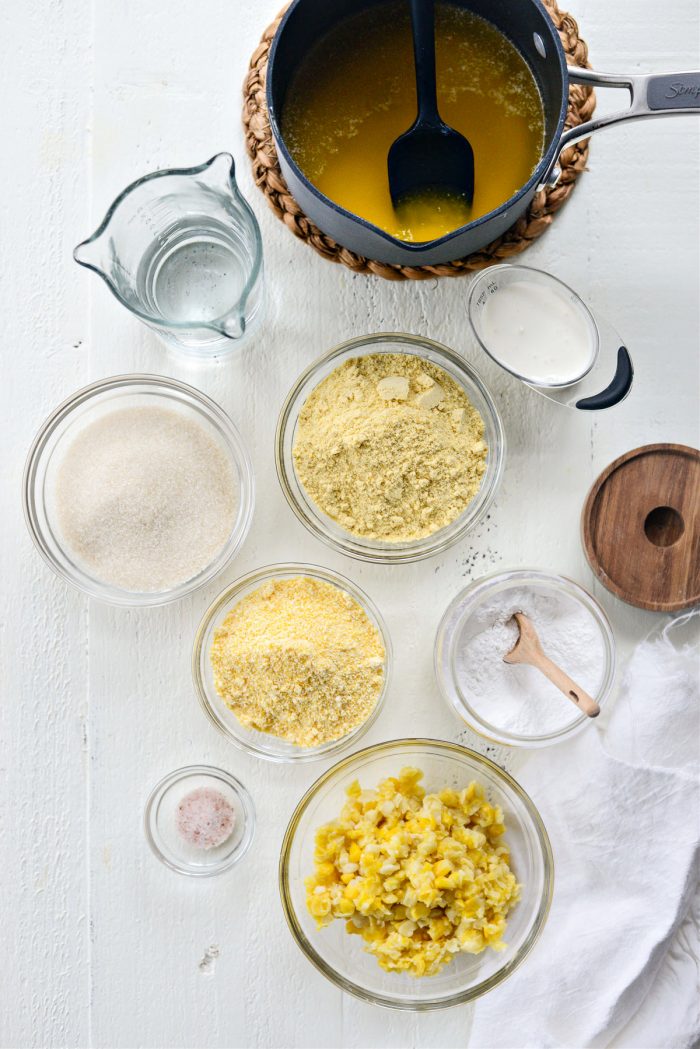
{"x": 205, "y": 818}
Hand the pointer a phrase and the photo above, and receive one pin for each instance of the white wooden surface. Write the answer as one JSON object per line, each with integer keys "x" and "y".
{"x": 102, "y": 945}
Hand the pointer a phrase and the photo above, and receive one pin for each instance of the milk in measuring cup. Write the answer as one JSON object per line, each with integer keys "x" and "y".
{"x": 537, "y": 333}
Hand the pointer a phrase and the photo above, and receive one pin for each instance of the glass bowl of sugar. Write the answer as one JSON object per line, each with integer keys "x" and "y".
{"x": 514, "y": 704}
{"x": 138, "y": 490}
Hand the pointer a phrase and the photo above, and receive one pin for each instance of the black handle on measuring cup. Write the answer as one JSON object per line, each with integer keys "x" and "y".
{"x": 618, "y": 388}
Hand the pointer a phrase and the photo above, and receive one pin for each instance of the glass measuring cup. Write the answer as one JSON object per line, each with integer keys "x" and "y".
{"x": 604, "y": 378}
{"x": 181, "y": 249}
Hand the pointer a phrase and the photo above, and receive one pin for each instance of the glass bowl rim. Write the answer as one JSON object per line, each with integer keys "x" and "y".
{"x": 427, "y": 546}
{"x": 288, "y": 569}
{"x": 242, "y": 793}
{"x": 584, "y": 308}
{"x": 575, "y": 590}
{"x": 471, "y": 993}
{"x": 236, "y": 451}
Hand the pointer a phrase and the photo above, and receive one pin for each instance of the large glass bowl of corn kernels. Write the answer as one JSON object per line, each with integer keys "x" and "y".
{"x": 341, "y": 957}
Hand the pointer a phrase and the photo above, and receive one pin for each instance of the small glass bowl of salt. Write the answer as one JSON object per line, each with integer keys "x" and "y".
{"x": 199, "y": 820}
{"x": 515, "y": 704}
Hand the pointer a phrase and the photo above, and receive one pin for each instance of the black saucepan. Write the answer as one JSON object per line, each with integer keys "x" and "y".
{"x": 528, "y": 26}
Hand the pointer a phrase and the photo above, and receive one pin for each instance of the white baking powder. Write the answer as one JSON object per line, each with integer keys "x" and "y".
{"x": 518, "y": 698}
{"x": 145, "y": 498}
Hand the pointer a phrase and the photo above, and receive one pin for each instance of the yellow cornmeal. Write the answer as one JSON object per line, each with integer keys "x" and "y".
{"x": 390, "y": 447}
{"x": 420, "y": 877}
{"x": 300, "y": 659}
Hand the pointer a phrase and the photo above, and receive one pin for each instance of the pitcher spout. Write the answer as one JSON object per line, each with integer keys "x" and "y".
{"x": 232, "y": 326}
{"x": 220, "y": 172}
{"x": 90, "y": 253}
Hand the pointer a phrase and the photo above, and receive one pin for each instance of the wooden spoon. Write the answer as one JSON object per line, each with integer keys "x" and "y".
{"x": 430, "y": 155}
{"x": 528, "y": 649}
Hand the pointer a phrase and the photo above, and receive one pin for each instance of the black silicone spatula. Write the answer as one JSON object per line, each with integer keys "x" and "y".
{"x": 430, "y": 155}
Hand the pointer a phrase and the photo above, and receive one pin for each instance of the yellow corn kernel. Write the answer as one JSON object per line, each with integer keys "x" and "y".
{"x": 418, "y": 911}
{"x": 438, "y": 927}
{"x": 319, "y": 906}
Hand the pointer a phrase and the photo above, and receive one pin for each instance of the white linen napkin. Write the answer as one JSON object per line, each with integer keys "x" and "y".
{"x": 622, "y": 807}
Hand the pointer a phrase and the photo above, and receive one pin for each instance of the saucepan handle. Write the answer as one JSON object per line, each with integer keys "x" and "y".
{"x": 651, "y": 95}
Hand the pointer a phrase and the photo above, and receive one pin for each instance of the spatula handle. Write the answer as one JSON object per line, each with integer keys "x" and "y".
{"x": 423, "y": 24}
{"x": 578, "y": 696}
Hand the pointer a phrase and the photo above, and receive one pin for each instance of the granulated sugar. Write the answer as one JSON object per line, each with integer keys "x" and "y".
{"x": 518, "y": 698}
{"x": 145, "y": 498}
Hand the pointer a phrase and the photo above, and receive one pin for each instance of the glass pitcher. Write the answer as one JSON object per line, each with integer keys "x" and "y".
{"x": 181, "y": 249}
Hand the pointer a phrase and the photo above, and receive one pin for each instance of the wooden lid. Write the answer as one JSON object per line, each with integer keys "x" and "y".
{"x": 641, "y": 527}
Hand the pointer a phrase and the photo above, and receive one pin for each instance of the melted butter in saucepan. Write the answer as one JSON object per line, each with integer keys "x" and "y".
{"x": 354, "y": 93}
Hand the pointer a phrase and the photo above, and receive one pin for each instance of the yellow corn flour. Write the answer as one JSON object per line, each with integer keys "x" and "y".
{"x": 420, "y": 877}
{"x": 300, "y": 659}
{"x": 390, "y": 447}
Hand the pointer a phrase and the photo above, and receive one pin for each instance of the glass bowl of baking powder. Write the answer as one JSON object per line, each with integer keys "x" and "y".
{"x": 517, "y": 705}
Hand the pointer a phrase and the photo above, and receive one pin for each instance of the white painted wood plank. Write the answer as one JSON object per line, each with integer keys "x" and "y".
{"x": 45, "y": 77}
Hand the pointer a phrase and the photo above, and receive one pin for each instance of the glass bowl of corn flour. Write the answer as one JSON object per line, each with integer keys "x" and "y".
{"x": 513, "y": 703}
{"x": 138, "y": 490}
{"x": 389, "y": 448}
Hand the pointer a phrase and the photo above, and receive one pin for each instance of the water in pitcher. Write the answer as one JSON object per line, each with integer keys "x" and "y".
{"x": 194, "y": 273}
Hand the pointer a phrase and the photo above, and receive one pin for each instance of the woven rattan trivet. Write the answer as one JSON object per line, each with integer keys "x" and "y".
{"x": 266, "y": 170}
